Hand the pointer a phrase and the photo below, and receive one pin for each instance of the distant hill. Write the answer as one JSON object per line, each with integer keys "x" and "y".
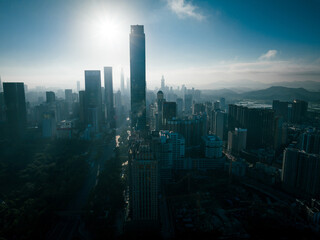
{"x": 308, "y": 85}
{"x": 282, "y": 93}
{"x": 268, "y": 94}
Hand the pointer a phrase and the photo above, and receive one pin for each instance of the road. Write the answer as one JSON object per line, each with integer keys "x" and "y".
{"x": 70, "y": 225}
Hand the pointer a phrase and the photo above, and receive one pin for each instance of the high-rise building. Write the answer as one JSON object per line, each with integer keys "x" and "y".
{"x": 179, "y": 106}
{"x": 188, "y": 104}
{"x": 259, "y": 123}
{"x": 280, "y": 109}
{"x": 50, "y": 97}
{"x": 301, "y": 172}
{"x": 310, "y": 141}
{"x": 68, "y": 95}
{"x": 82, "y": 107}
{"x": 220, "y": 124}
{"x": 49, "y": 127}
{"x": 93, "y": 98}
{"x": 299, "y": 111}
{"x": 237, "y": 140}
{"x": 108, "y": 84}
{"x": 169, "y": 111}
{"x": 144, "y": 185}
{"x": 138, "y": 77}
{"x": 15, "y": 102}
{"x": 163, "y": 85}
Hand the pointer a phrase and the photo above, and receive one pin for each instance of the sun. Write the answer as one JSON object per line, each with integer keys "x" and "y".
{"x": 106, "y": 30}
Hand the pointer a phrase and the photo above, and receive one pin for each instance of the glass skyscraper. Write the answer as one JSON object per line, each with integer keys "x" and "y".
{"x": 138, "y": 77}
{"x": 108, "y": 94}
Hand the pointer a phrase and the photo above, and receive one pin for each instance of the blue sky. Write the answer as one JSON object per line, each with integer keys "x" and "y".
{"x": 197, "y": 43}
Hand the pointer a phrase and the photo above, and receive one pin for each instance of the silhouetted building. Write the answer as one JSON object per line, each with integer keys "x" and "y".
{"x": 144, "y": 185}
{"x": 108, "y": 84}
{"x": 169, "y": 111}
{"x": 179, "y": 106}
{"x": 258, "y": 122}
{"x": 188, "y": 104}
{"x": 82, "y": 107}
{"x": 93, "y": 98}
{"x": 138, "y": 77}
{"x": 50, "y": 97}
{"x": 299, "y": 111}
{"x": 15, "y": 103}
{"x": 310, "y": 141}
{"x": 48, "y": 125}
{"x": 280, "y": 109}
{"x": 68, "y": 95}
{"x": 301, "y": 172}
{"x": 237, "y": 140}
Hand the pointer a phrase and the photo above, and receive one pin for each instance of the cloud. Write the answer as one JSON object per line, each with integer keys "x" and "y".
{"x": 184, "y": 9}
{"x": 270, "y": 54}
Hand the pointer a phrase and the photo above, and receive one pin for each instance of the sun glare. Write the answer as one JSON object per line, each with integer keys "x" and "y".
{"x": 106, "y": 30}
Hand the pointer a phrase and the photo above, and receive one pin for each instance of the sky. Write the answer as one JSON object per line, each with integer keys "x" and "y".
{"x": 201, "y": 44}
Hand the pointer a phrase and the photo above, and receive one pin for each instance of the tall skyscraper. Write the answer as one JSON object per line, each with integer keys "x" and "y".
{"x": 108, "y": 85}
{"x": 138, "y": 77}
{"x": 14, "y": 98}
{"x": 78, "y": 86}
{"x": 93, "y": 98}
{"x": 163, "y": 85}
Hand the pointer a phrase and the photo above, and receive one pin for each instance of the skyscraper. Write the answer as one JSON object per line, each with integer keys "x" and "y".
{"x": 163, "y": 85}
{"x": 108, "y": 85}
{"x": 138, "y": 77}
{"x": 15, "y": 102}
{"x": 93, "y": 98}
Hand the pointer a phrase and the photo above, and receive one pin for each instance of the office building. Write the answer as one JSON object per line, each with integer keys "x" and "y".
{"x": 138, "y": 77}
{"x": 15, "y": 102}
{"x": 108, "y": 85}
{"x": 93, "y": 99}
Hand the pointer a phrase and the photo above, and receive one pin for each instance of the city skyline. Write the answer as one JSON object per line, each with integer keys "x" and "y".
{"x": 196, "y": 43}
